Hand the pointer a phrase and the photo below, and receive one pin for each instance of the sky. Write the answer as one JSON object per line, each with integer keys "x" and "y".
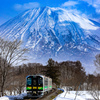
{"x": 86, "y": 8}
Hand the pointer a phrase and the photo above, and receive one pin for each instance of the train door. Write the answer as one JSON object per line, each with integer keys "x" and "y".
{"x": 35, "y": 85}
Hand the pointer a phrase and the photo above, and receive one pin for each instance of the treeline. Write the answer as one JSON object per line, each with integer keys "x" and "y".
{"x": 67, "y": 73}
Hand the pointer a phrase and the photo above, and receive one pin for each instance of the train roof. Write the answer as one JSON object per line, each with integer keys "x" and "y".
{"x": 38, "y": 75}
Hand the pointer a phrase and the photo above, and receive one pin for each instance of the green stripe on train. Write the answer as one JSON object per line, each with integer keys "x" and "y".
{"x": 28, "y": 88}
{"x": 46, "y": 87}
{"x": 40, "y": 88}
{"x": 50, "y": 86}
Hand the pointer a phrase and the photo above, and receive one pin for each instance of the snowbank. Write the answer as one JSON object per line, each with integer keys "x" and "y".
{"x": 70, "y": 95}
{"x": 66, "y": 95}
{"x": 19, "y": 97}
{"x": 4, "y": 98}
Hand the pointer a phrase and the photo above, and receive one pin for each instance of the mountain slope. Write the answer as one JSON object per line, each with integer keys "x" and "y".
{"x": 54, "y": 32}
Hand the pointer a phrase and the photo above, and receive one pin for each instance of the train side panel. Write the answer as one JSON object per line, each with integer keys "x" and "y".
{"x": 49, "y": 84}
{"x": 45, "y": 84}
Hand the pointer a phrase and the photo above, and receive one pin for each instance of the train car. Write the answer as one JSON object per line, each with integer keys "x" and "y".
{"x": 38, "y": 85}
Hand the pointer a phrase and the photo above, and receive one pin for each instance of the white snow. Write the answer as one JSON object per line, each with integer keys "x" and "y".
{"x": 4, "y": 98}
{"x": 84, "y": 23}
{"x": 66, "y": 95}
{"x": 25, "y": 13}
{"x": 66, "y": 15}
{"x": 49, "y": 11}
{"x": 59, "y": 48}
{"x": 23, "y": 31}
{"x": 13, "y": 97}
{"x": 70, "y": 95}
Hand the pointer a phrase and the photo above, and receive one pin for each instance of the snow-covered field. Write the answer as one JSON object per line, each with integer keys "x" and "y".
{"x": 19, "y": 97}
{"x": 69, "y": 95}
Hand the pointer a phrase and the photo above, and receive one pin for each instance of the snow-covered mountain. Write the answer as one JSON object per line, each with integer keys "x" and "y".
{"x": 54, "y": 32}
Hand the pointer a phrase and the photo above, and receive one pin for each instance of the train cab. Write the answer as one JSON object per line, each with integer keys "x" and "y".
{"x": 38, "y": 85}
{"x": 34, "y": 85}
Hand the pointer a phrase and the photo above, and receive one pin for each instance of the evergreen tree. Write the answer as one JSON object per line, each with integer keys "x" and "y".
{"x": 52, "y": 71}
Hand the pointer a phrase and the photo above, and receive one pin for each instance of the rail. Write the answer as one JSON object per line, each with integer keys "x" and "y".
{"x": 45, "y": 96}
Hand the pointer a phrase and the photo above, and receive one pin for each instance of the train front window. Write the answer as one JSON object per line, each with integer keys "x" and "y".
{"x": 34, "y": 81}
{"x": 40, "y": 81}
{"x": 29, "y": 81}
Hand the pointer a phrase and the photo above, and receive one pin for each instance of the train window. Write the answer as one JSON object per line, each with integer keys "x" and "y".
{"x": 29, "y": 81}
{"x": 40, "y": 81}
{"x": 46, "y": 82}
{"x": 34, "y": 82}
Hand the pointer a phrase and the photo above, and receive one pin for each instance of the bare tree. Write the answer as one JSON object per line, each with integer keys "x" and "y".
{"x": 97, "y": 61}
{"x": 95, "y": 83}
{"x": 10, "y": 53}
{"x": 94, "y": 87}
{"x": 19, "y": 83}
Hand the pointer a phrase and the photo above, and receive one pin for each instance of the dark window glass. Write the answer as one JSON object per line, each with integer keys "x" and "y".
{"x": 29, "y": 81}
{"x": 34, "y": 81}
{"x": 40, "y": 81}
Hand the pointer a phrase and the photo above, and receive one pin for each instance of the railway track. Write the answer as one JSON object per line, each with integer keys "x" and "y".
{"x": 46, "y": 96}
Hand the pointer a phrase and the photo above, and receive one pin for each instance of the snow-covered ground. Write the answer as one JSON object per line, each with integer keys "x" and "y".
{"x": 19, "y": 97}
{"x": 82, "y": 95}
{"x": 70, "y": 95}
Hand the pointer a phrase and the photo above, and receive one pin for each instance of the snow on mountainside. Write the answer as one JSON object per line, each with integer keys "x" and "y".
{"x": 54, "y": 32}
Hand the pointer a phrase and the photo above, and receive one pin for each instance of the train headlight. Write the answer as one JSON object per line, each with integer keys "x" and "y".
{"x": 40, "y": 88}
{"x": 34, "y": 92}
{"x": 28, "y": 88}
{"x": 34, "y": 87}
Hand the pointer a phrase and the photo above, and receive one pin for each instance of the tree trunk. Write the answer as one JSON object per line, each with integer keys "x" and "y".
{"x": 2, "y": 85}
{"x": 2, "y": 90}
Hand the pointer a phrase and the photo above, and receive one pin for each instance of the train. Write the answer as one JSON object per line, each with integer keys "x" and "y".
{"x": 38, "y": 85}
